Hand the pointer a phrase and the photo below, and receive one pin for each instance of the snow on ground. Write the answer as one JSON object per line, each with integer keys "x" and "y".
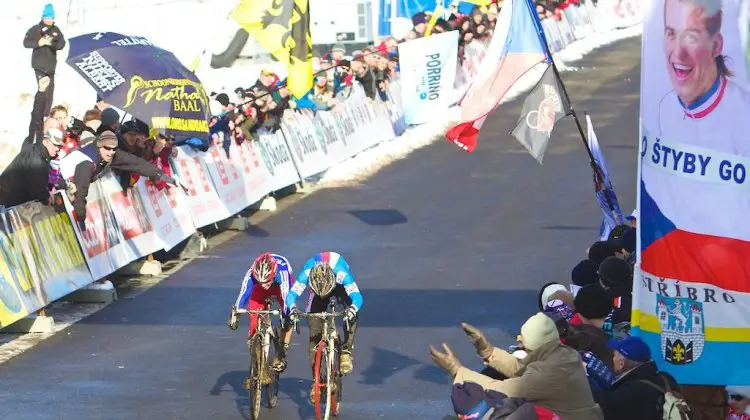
{"x": 362, "y": 166}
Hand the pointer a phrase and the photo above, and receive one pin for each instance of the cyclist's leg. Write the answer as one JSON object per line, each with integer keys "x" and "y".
{"x": 347, "y": 348}
{"x": 279, "y": 362}
{"x": 315, "y": 305}
{"x": 256, "y": 302}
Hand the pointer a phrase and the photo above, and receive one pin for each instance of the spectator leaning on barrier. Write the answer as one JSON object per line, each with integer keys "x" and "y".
{"x": 364, "y": 75}
{"x": 25, "y": 179}
{"x": 551, "y": 376}
{"x": 45, "y": 39}
{"x": 639, "y": 389}
{"x": 84, "y": 166}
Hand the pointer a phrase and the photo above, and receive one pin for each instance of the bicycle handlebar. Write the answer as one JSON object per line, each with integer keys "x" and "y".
{"x": 258, "y": 311}
{"x": 321, "y": 314}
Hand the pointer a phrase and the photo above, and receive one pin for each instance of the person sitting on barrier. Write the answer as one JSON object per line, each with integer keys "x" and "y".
{"x": 551, "y": 375}
{"x": 329, "y": 275}
{"x": 270, "y": 275}
{"x": 84, "y": 166}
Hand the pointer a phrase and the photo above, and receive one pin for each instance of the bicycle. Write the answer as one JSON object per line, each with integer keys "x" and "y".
{"x": 262, "y": 346}
{"x": 327, "y": 368}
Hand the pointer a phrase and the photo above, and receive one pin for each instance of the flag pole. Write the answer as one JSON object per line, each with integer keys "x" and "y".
{"x": 572, "y": 111}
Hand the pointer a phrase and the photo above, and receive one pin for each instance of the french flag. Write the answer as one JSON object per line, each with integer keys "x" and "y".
{"x": 517, "y": 45}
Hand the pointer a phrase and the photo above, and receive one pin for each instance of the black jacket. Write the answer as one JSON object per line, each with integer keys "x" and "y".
{"x": 629, "y": 398}
{"x": 368, "y": 82}
{"x": 44, "y": 59}
{"x": 87, "y": 172}
{"x": 25, "y": 179}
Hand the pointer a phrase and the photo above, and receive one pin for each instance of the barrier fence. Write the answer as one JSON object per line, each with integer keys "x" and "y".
{"x": 45, "y": 257}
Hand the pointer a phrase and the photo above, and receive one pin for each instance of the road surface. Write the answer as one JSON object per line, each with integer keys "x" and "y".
{"x": 438, "y": 238}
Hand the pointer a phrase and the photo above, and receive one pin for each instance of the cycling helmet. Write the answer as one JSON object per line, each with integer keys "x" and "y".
{"x": 264, "y": 269}
{"x": 322, "y": 279}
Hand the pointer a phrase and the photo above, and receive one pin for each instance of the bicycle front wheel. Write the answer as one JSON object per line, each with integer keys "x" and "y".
{"x": 321, "y": 390}
{"x": 272, "y": 388}
{"x": 257, "y": 365}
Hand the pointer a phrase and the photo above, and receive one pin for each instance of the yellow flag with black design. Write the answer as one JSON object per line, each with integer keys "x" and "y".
{"x": 283, "y": 28}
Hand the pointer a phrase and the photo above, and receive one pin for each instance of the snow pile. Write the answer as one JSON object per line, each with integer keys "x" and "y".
{"x": 360, "y": 167}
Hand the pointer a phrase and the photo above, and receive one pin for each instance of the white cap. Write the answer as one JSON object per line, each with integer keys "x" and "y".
{"x": 633, "y": 215}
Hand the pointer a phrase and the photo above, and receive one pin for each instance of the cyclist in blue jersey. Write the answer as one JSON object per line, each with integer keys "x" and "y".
{"x": 328, "y": 274}
{"x": 270, "y": 276}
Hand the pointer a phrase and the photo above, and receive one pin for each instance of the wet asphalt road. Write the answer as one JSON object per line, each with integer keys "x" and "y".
{"x": 435, "y": 239}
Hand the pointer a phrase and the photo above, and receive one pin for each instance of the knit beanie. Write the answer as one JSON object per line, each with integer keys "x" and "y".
{"x": 48, "y": 12}
{"x": 107, "y": 138}
{"x": 592, "y": 302}
{"x": 601, "y": 250}
{"x": 584, "y": 273}
{"x": 469, "y": 400}
{"x": 538, "y": 331}
{"x": 109, "y": 117}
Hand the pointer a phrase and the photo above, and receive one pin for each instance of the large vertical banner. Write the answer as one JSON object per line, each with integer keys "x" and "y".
{"x": 428, "y": 70}
{"x": 692, "y": 289}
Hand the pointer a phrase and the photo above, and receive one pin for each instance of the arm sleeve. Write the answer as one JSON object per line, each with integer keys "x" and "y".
{"x": 530, "y": 386}
{"x": 246, "y": 290}
{"x": 59, "y": 42}
{"x": 31, "y": 40}
{"x": 82, "y": 181}
{"x": 124, "y": 161}
{"x": 350, "y": 285}
{"x": 300, "y": 284}
{"x": 39, "y": 177}
{"x": 504, "y": 362}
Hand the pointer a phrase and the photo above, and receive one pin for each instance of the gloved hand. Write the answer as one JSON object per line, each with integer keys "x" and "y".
{"x": 82, "y": 225}
{"x": 294, "y": 314}
{"x": 350, "y": 314}
{"x": 447, "y": 361}
{"x": 45, "y": 41}
{"x": 234, "y": 319}
{"x": 484, "y": 348}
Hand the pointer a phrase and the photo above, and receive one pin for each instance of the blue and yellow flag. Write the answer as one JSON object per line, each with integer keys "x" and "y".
{"x": 283, "y": 28}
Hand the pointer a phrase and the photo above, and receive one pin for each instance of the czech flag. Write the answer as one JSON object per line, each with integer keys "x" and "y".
{"x": 517, "y": 45}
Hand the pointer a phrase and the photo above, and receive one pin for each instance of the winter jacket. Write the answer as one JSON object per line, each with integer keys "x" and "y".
{"x": 551, "y": 377}
{"x": 629, "y": 398}
{"x": 25, "y": 179}
{"x": 44, "y": 59}
{"x": 593, "y": 339}
{"x": 368, "y": 83}
{"x": 92, "y": 167}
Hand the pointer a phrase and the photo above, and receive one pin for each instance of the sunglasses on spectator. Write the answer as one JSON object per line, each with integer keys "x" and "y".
{"x": 737, "y": 397}
{"x": 111, "y": 149}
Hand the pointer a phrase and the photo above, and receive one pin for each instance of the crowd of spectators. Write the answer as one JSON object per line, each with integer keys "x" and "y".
{"x": 576, "y": 359}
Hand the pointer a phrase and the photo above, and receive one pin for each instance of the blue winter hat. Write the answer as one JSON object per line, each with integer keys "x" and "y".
{"x": 632, "y": 348}
{"x": 49, "y": 11}
{"x": 469, "y": 401}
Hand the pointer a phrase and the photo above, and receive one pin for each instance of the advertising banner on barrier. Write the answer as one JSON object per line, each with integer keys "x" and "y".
{"x": 103, "y": 243}
{"x": 205, "y": 206}
{"x": 169, "y": 212}
{"x": 311, "y": 159}
{"x": 691, "y": 299}
{"x": 230, "y": 187}
{"x": 428, "y": 70}
{"x": 254, "y": 175}
{"x": 277, "y": 157}
{"x": 136, "y": 227}
{"x": 40, "y": 260}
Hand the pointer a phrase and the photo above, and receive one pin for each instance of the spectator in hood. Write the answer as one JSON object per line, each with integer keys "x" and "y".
{"x": 470, "y": 401}
{"x": 616, "y": 278}
{"x": 45, "y": 39}
{"x": 25, "y": 179}
{"x": 84, "y": 166}
{"x": 551, "y": 375}
{"x": 639, "y": 388}
{"x": 110, "y": 121}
